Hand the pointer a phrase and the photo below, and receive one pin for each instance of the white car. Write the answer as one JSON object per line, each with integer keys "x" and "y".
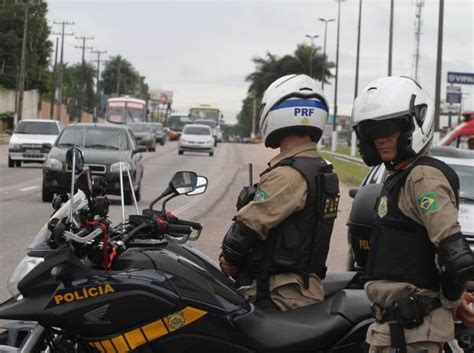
{"x": 196, "y": 138}
{"x": 462, "y": 162}
{"x": 31, "y": 140}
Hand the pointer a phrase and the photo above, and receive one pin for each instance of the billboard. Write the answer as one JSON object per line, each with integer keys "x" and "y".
{"x": 162, "y": 97}
{"x": 464, "y": 78}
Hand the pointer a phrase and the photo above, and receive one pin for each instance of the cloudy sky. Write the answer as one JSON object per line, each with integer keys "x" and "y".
{"x": 202, "y": 50}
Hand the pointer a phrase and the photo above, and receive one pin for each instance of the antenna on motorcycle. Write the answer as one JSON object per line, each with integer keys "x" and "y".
{"x": 122, "y": 200}
{"x": 250, "y": 174}
{"x": 71, "y": 203}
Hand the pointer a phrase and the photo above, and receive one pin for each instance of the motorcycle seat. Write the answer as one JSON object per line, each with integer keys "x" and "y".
{"x": 310, "y": 328}
{"x": 335, "y": 281}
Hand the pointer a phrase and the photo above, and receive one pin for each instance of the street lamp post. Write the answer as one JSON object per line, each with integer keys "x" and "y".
{"x": 312, "y": 53}
{"x": 356, "y": 89}
{"x": 325, "y": 36}
{"x": 334, "y": 132}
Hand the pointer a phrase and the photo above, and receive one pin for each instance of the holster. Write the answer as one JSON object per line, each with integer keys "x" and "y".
{"x": 406, "y": 312}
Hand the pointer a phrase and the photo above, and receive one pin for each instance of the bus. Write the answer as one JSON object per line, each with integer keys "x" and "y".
{"x": 175, "y": 124}
{"x": 122, "y": 110}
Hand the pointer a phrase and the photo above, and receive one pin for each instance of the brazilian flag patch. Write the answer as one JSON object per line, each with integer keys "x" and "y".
{"x": 428, "y": 202}
{"x": 261, "y": 195}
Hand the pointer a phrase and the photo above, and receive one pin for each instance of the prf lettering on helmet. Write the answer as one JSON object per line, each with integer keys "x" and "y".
{"x": 83, "y": 294}
{"x": 304, "y": 111}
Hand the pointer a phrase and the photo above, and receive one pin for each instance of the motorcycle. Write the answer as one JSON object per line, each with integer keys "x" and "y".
{"x": 86, "y": 286}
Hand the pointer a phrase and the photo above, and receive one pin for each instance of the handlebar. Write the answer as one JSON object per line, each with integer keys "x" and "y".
{"x": 193, "y": 225}
{"x": 81, "y": 236}
{"x": 179, "y": 228}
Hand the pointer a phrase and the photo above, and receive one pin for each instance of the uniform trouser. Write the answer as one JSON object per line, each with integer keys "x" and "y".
{"x": 419, "y": 347}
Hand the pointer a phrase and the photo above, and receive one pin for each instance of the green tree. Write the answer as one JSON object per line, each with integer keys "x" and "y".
{"x": 72, "y": 88}
{"x": 120, "y": 77}
{"x": 39, "y": 47}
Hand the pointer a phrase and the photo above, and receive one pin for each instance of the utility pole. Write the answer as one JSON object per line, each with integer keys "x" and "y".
{"x": 325, "y": 37}
{"x": 418, "y": 23}
{"x": 61, "y": 66}
{"x": 117, "y": 86}
{"x": 21, "y": 82}
{"x": 254, "y": 117}
{"x": 438, "y": 69}
{"x": 356, "y": 88}
{"x": 390, "y": 40}
{"x": 83, "y": 74}
{"x": 97, "y": 100}
{"x": 312, "y": 53}
{"x": 334, "y": 132}
{"x": 55, "y": 77}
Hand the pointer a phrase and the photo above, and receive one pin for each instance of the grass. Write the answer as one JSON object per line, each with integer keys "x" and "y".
{"x": 348, "y": 173}
{"x": 343, "y": 150}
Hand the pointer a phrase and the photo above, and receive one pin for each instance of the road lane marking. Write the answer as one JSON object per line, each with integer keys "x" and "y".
{"x": 29, "y": 188}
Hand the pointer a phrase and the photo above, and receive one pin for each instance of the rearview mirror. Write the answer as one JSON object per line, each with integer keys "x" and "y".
{"x": 353, "y": 192}
{"x": 46, "y": 146}
{"x": 139, "y": 149}
{"x": 76, "y": 153}
{"x": 201, "y": 186}
{"x": 183, "y": 182}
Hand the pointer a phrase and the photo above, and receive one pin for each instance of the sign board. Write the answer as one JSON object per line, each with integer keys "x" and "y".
{"x": 464, "y": 78}
{"x": 453, "y": 89}
{"x": 450, "y": 108}
{"x": 453, "y": 97}
{"x": 163, "y": 97}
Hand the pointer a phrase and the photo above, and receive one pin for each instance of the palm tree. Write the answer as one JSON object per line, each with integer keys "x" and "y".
{"x": 310, "y": 61}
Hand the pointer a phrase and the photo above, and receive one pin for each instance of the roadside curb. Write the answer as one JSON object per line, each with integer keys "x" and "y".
{"x": 346, "y": 157}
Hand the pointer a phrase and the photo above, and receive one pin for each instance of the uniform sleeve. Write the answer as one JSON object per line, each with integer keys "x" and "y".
{"x": 280, "y": 192}
{"x": 429, "y": 200}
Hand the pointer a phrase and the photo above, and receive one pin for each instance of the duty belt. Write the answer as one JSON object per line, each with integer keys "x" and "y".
{"x": 407, "y": 312}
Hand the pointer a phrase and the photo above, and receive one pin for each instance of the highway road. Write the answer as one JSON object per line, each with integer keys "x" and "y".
{"x": 22, "y": 213}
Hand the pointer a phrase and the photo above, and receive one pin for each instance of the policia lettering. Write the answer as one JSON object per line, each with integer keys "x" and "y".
{"x": 82, "y": 294}
{"x": 300, "y": 243}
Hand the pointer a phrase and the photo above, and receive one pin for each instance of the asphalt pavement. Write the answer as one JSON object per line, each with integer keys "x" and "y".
{"x": 22, "y": 213}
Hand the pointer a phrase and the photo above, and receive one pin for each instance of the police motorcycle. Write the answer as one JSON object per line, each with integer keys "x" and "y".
{"x": 360, "y": 224}
{"x": 88, "y": 286}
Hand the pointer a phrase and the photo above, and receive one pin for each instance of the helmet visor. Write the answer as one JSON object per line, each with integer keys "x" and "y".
{"x": 373, "y": 129}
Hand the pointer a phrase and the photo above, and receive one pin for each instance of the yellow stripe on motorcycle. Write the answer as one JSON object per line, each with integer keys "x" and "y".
{"x": 154, "y": 330}
{"x": 109, "y": 348}
{"x": 135, "y": 338}
{"x": 120, "y": 344}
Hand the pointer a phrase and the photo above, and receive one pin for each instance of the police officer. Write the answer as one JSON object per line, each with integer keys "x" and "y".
{"x": 278, "y": 243}
{"x": 419, "y": 261}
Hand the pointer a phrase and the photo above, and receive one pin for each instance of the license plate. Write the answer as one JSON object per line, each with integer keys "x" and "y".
{"x": 33, "y": 152}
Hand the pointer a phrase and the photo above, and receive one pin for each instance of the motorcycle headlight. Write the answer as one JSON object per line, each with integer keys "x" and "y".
{"x": 24, "y": 267}
{"x": 115, "y": 167}
{"x": 53, "y": 163}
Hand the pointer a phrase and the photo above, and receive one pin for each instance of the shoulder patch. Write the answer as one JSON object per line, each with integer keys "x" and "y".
{"x": 261, "y": 195}
{"x": 428, "y": 202}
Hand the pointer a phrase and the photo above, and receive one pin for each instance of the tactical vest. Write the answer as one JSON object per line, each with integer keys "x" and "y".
{"x": 300, "y": 243}
{"x": 400, "y": 248}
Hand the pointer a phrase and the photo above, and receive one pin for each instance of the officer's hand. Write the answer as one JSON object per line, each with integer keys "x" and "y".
{"x": 226, "y": 267}
{"x": 464, "y": 312}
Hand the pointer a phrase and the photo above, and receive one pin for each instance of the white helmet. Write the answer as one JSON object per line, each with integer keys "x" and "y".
{"x": 388, "y": 103}
{"x": 292, "y": 104}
